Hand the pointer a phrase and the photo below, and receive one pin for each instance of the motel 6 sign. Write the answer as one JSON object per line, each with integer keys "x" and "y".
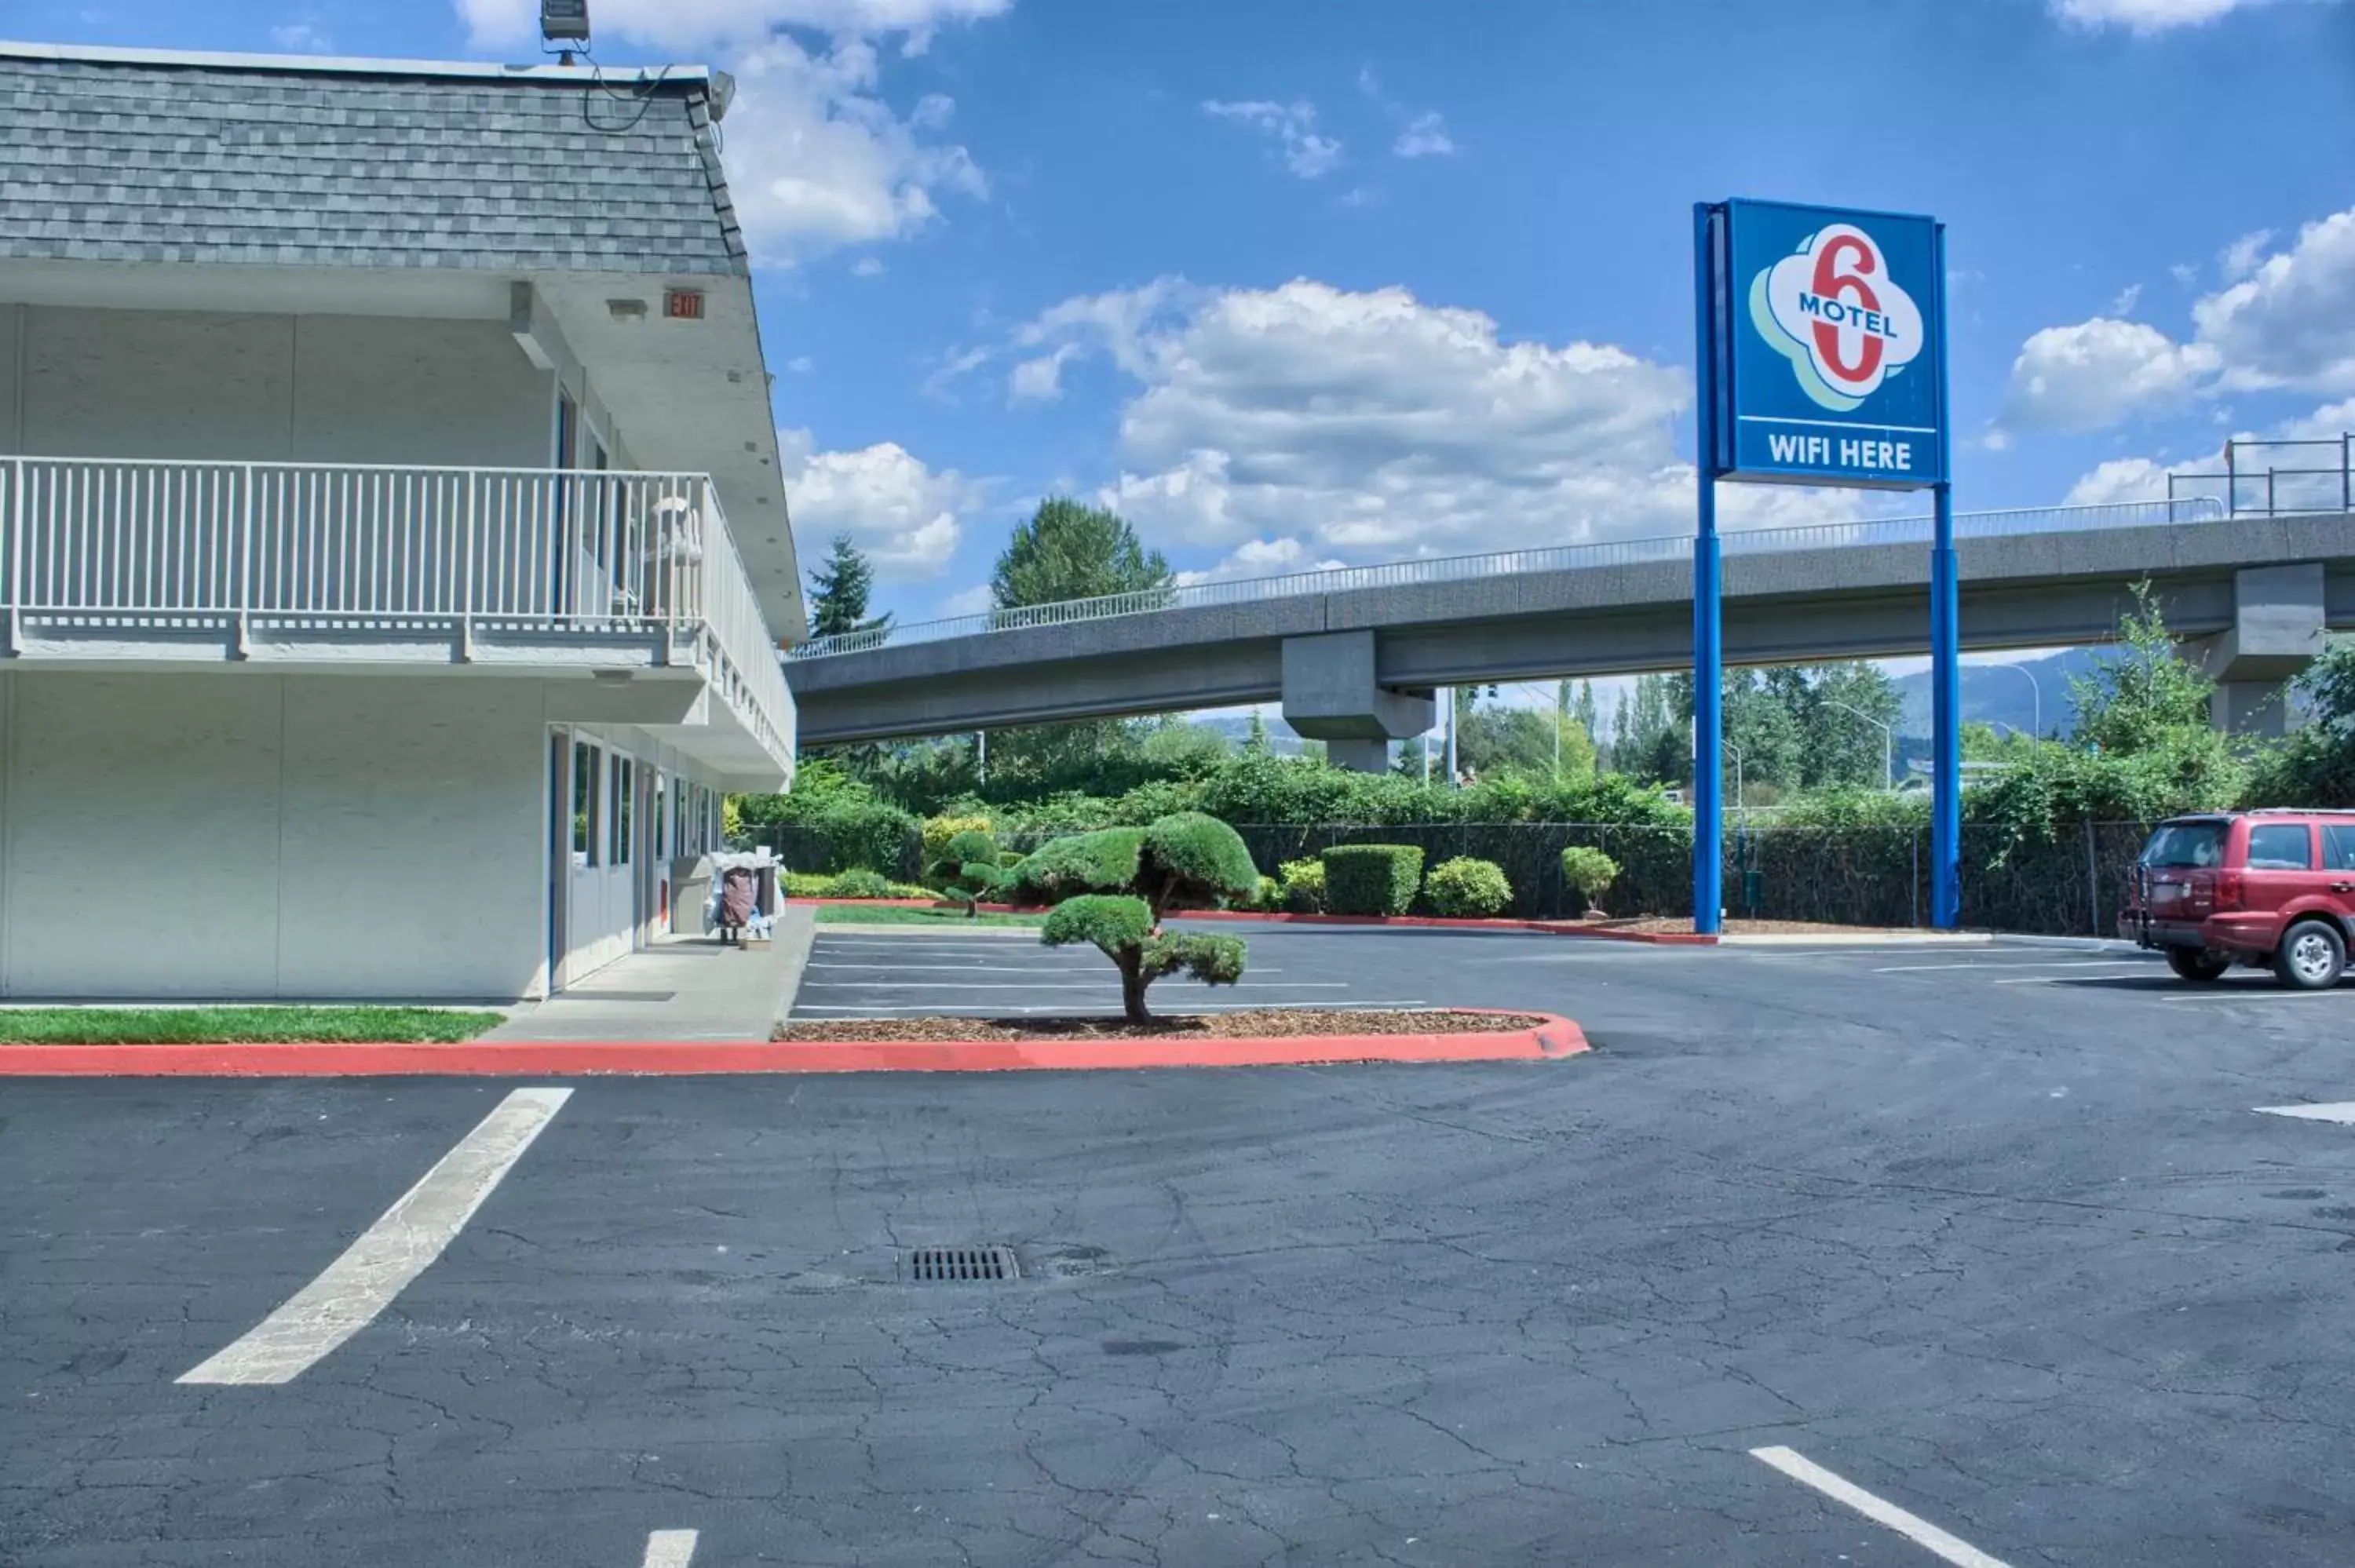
{"x": 1825, "y": 359}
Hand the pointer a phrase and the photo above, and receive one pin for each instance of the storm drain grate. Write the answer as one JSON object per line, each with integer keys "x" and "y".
{"x": 955, "y": 1265}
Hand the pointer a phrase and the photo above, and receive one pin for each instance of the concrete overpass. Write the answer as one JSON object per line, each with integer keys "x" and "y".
{"x": 1354, "y": 655}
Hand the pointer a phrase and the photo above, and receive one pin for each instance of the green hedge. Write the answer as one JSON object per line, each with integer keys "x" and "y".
{"x": 1371, "y": 879}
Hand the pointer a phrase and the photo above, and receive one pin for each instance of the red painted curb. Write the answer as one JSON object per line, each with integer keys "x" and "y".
{"x": 1557, "y": 1036}
{"x": 1267, "y": 916}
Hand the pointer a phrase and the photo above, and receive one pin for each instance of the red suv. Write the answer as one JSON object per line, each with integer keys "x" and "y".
{"x": 2248, "y": 888}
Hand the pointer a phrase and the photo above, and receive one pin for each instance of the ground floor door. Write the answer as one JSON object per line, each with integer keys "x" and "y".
{"x": 601, "y": 895}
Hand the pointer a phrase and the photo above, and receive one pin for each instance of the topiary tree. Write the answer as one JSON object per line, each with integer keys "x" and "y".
{"x": 1589, "y": 874}
{"x": 1121, "y": 927}
{"x": 1104, "y": 861}
{"x": 1465, "y": 887}
{"x": 967, "y": 869}
{"x": 1181, "y": 860}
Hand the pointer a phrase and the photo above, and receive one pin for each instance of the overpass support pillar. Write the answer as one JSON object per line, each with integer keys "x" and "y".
{"x": 2277, "y": 627}
{"x": 1330, "y": 694}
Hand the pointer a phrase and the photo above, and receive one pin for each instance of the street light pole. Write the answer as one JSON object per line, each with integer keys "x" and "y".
{"x": 2036, "y": 708}
{"x": 1888, "y": 736}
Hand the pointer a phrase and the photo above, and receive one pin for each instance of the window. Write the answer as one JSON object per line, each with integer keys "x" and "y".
{"x": 2338, "y": 848}
{"x": 584, "y": 803}
{"x": 662, "y": 817}
{"x": 2179, "y": 845}
{"x": 618, "y": 819}
{"x": 2281, "y": 846}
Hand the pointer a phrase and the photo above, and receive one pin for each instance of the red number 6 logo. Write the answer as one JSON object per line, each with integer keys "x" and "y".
{"x": 1832, "y": 283}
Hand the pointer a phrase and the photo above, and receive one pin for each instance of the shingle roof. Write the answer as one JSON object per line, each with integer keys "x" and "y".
{"x": 221, "y": 160}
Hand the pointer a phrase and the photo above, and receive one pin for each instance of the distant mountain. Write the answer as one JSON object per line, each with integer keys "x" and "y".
{"x": 1281, "y": 738}
{"x": 2001, "y": 695}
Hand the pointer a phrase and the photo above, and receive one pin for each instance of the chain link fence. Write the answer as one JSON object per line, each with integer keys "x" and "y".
{"x": 2070, "y": 884}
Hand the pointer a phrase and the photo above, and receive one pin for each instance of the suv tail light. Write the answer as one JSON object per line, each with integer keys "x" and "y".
{"x": 2229, "y": 890}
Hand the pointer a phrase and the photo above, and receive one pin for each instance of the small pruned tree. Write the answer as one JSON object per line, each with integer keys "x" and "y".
{"x": 1589, "y": 874}
{"x": 1121, "y": 927}
{"x": 967, "y": 869}
{"x": 1186, "y": 859}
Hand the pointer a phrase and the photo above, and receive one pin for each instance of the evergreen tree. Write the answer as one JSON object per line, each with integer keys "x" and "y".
{"x": 839, "y": 592}
{"x": 1070, "y": 551}
{"x": 1067, "y": 551}
{"x": 1255, "y": 741}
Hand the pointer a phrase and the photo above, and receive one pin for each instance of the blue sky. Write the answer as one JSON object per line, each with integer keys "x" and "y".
{"x": 1328, "y": 280}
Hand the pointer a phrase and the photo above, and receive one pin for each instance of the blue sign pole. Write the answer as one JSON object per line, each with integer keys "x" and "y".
{"x": 1945, "y": 661}
{"x": 1822, "y": 360}
{"x": 1709, "y": 655}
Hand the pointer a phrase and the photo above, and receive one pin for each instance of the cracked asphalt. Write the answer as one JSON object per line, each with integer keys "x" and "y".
{"x": 2018, "y": 1257}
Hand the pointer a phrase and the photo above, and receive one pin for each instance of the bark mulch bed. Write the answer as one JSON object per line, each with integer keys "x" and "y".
{"x": 1253, "y": 1024}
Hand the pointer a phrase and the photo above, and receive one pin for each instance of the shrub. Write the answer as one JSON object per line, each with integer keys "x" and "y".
{"x": 1303, "y": 885}
{"x": 938, "y": 831}
{"x": 861, "y": 884}
{"x": 865, "y": 835}
{"x": 1192, "y": 859}
{"x": 1371, "y": 879}
{"x": 966, "y": 868}
{"x": 1589, "y": 874}
{"x": 1121, "y": 928}
{"x": 1104, "y": 861}
{"x": 1464, "y": 886}
{"x": 1269, "y": 896}
{"x": 808, "y": 885}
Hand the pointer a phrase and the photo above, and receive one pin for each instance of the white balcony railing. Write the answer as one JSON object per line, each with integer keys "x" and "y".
{"x": 257, "y": 549}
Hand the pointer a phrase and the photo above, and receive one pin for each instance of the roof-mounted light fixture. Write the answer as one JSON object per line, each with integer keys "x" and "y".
{"x": 563, "y": 22}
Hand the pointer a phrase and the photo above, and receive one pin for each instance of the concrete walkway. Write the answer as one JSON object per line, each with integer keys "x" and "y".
{"x": 685, "y": 988}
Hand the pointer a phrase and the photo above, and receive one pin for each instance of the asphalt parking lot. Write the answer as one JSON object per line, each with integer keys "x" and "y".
{"x": 1876, "y": 1256}
{"x": 999, "y": 972}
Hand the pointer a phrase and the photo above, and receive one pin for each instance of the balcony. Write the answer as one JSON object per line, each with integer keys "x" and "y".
{"x": 331, "y": 565}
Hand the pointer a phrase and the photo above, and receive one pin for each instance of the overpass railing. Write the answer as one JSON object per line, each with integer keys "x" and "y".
{"x": 1516, "y": 563}
{"x": 2272, "y": 479}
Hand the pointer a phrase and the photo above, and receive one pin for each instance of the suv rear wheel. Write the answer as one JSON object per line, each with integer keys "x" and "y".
{"x": 2312, "y": 957}
{"x": 2191, "y": 964}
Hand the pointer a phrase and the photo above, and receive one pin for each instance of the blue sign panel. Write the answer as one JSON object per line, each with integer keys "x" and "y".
{"x": 1829, "y": 329}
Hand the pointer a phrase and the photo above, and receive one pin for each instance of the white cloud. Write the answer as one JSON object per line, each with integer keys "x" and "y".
{"x": 2239, "y": 259}
{"x": 816, "y": 158}
{"x": 1293, "y": 427}
{"x": 1425, "y": 136}
{"x": 971, "y": 600}
{"x": 1293, "y": 126}
{"x": 2185, "y": 273}
{"x": 867, "y": 267}
{"x": 2097, "y": 372}
{"x": 801, "y": 365}
{"x": 1257, "y": 559}
{"x": 2291, "y": 322}
{"x": 2147, "y": 16}
{"x": 302, "y": 38}
{"x": 905, "y": 516}
{"x": 2127, "y": 298}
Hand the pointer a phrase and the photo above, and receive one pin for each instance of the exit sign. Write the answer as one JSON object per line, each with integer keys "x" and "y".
{"x": 682, "y": 304}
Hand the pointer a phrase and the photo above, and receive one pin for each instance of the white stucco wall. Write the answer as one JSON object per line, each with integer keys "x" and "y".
{"x": 255, "y": 834}
{"x": 273, "y": 388}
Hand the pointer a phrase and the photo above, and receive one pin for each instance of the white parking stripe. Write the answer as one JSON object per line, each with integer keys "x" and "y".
{"x": 2065, "y": 980}
{"x": 1919, "y": 1532}
{"x": 671, "y": 1549}
{"x": 914, "y": 1008}
{"x": 389, "y": 1254}
{"x": 2342, "y": 1111}
{"x": 1038, "y": 985}
{"x": 2039, "y": 964}
{"x": 2246, "y": 993}
{"x": 975, "y": 966}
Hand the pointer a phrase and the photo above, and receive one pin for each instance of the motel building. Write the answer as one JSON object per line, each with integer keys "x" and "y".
{"x": 393, "y": 554}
